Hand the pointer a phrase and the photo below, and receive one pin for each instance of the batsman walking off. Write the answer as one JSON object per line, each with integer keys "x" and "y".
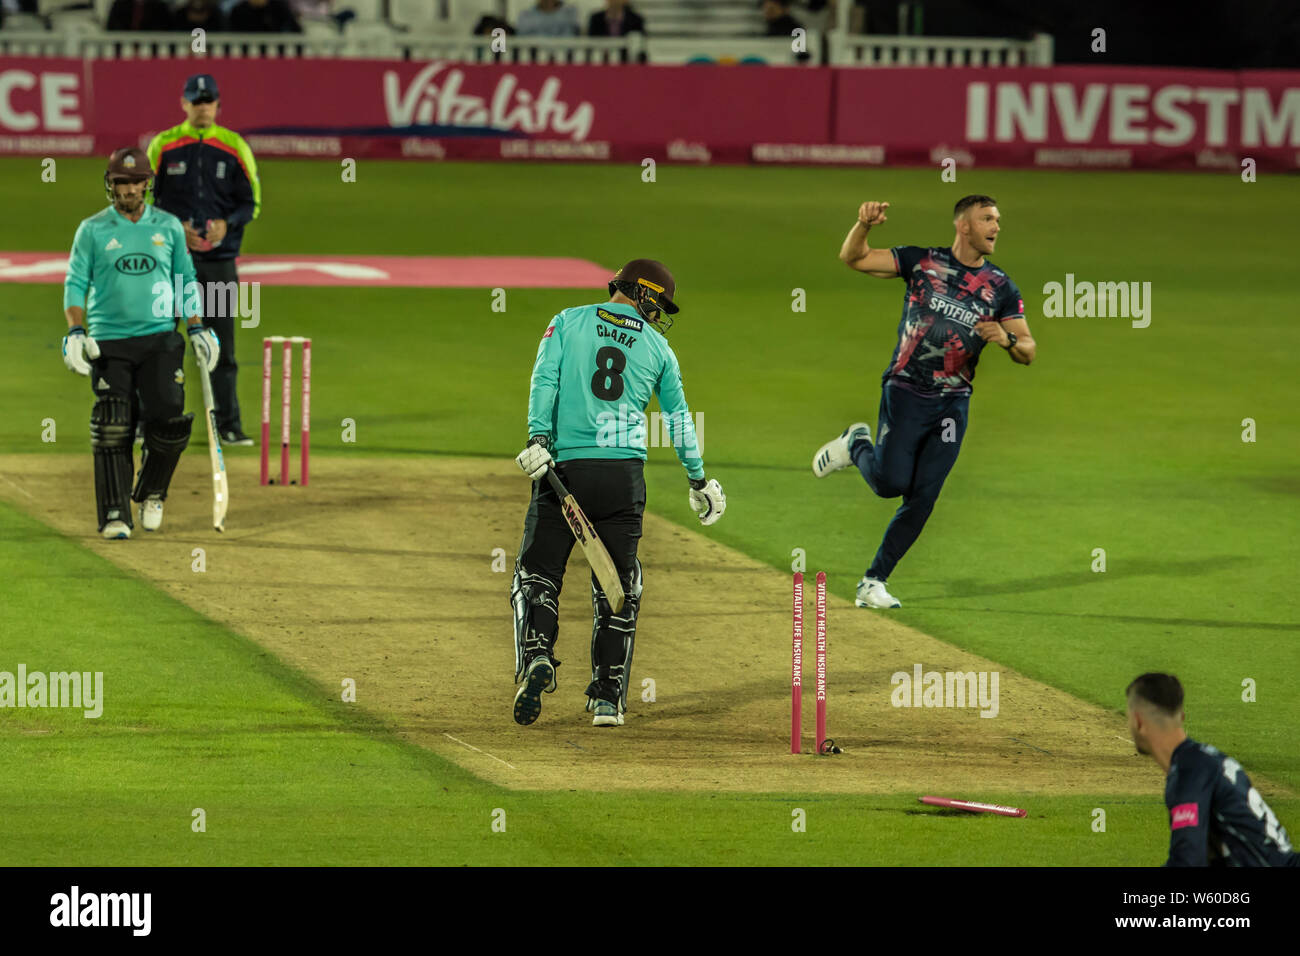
{"x": 955, "y": 303}
{"x": 120, "y": 300}
{"x": 596, "y": 370}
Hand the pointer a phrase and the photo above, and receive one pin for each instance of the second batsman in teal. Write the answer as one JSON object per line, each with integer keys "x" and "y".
{"x": 126, "y": 286}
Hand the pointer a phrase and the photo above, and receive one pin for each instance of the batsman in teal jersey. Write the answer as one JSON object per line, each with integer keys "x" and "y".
{"x": 129, "y": 277}
{"x": 597, "y": 368}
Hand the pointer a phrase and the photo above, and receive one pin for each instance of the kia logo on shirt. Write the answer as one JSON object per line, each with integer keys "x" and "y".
{"x": 136, "y": 264}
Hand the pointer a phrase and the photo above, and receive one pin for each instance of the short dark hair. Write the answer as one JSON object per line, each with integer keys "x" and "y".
{"x": 967, "y": 201}
{"x": 1162, "y": 691}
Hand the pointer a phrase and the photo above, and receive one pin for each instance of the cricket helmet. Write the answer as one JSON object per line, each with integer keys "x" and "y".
{"x": 129, "y": 164}
{"x": 650, "y": 286}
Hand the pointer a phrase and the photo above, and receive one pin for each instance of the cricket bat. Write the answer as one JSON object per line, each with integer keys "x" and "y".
{"x": 601, "y": 563}
{"x": 220, "y": 490}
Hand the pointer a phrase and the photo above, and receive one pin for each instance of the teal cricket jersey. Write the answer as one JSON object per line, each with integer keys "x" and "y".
{"x": 597, "y": 367}
{"x": 123, "y": 273}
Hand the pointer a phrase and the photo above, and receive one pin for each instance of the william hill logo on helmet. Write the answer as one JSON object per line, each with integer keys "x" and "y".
{"x": 623, "y": 321}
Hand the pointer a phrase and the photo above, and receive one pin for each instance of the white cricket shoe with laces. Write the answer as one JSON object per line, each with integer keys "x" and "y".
{"x": 872, "y": 593}
{"x": 151, "y": 510}
{"x": 834, "y": 455}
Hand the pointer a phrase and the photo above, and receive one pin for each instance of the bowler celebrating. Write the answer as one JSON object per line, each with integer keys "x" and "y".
{"x": 597, "y": 367}
{"x": 955, "y": 303}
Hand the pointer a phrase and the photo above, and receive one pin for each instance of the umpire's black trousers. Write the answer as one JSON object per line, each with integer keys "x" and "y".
{"x": 224, "y": 377}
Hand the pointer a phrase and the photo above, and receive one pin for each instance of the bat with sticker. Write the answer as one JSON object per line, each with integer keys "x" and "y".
{"x": 217, "y": 461}
{"x": 601, "y": 563}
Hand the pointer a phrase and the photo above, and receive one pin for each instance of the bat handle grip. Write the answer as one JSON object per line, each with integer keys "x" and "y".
{"x": 558, "y": 485}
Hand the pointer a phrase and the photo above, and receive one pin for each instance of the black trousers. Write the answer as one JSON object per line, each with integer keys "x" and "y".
{"x": 141, "y": 378}
{"x": 146, "y": 370}
{"x": 225, "y": 376}
{"x": 610, "y": 491}
{"x": 612, "y": 494}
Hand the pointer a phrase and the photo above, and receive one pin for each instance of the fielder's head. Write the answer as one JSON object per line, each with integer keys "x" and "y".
{"x": 976, "y": 219}
{"x": 647, "y": 285}
{"x": 200, "y": 100}
{"x": 128, "y": 179}
{"x": 1155, "y": 709}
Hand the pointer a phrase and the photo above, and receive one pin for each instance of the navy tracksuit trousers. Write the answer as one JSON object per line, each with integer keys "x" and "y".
{"x": 917, "y": 441}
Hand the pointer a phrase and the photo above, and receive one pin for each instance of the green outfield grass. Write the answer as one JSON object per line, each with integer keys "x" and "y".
{"x": 1116, "y": 438}
{"x": 198, "y": 717}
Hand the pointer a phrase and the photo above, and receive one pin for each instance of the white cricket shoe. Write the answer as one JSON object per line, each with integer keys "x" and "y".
{"x": 834, "y": 455}
{"x": 607, "y": 715}
{"x": 872, "y": 593}
{"x": 151, "y": 513}
{"x": 116, "y": 530}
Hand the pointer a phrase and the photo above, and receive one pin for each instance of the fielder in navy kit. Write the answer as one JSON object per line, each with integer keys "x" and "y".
{"x": 1216, "y": 818}
{"x": 956, "y": 303}
{"x": 597, "y": 368}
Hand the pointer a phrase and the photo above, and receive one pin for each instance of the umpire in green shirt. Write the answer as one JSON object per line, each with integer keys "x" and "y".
{"x": 205, "y": 175}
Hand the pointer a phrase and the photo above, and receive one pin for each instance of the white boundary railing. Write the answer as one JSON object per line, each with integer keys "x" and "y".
{"x": 382, "y": 44}
{"x": 558, "y": 50}
{"x": 774, "y": 50}
{"x": 378, "y": 42}
{"x": 37, "y": 43}
{"x": 858, "y": 50}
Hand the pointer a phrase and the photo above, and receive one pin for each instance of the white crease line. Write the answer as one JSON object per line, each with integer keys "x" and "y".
{"x": 18, "y": 486}
{"x": 477, "y": 751}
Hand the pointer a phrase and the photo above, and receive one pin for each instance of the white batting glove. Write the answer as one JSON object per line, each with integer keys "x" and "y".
{"x": 535, "y": 459}
{"x": 708, "y": 501}
{"x": 207, "y": 347}
{"x": 79, "y": 350}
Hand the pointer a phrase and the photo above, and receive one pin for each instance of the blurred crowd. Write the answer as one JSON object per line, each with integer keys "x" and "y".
{"x": 237, "y": 16}
{"x": 546, "y": 18}
{"x": 555, "y": 18}
{"x": 240, "y": 16}
{"x": 780, "y": 21}
{"x": 1263, "y": 34}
